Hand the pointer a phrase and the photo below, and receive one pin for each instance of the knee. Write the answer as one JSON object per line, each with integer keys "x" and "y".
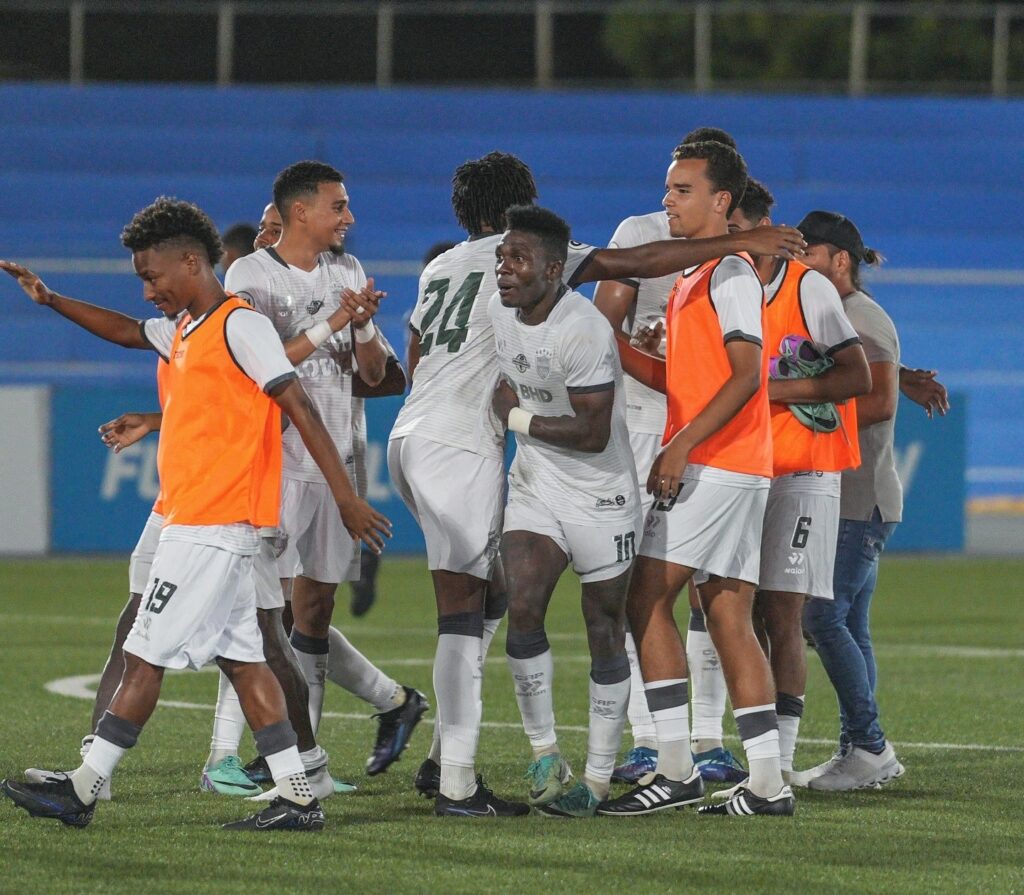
{"x": 525, "y": 615}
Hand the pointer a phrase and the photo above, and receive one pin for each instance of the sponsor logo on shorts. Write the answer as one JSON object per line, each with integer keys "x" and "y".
{"x": 521, "y": 363}
{"x": 619, "y": 500}
{"x": 796, "y": 564}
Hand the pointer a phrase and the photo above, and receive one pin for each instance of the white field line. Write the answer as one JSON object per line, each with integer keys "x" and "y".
{"x": 79, "y": 687}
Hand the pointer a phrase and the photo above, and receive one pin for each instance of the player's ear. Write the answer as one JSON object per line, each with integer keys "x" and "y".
{"x": 554, "y": 269}
{"x": 722, "y": 201}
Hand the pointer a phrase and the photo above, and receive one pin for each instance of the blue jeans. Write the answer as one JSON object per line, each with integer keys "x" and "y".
{"x": 841, "y": 631}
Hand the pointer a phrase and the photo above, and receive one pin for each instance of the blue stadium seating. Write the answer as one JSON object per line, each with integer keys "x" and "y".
{"x": 934, "y": 184}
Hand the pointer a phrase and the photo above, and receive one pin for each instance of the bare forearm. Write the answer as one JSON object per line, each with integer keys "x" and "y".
{"x": 836, "y": 384}
{"x": 110, "y": 325}
{"x": 641, "y": 366}
{"x": 393, "y": 383}
{"x": 306, "y": 418}
{"x": 874, "y": 408}
{"x": 657, "y": 259}
{"x": 578, "y": 433}
{"x": 720, "y": 410}
{"x": 371, "y": 359}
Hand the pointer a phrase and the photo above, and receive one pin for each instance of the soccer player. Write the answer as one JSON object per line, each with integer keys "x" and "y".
{"x": 219, "y": 464}
{"x": 817, "y": 366}
{"x": 572, "y": 496}
{"x": 710, "y": 482}
{"x": 239, "y": 241}
{"x": 638, "y": 306}
{"x": 270, "y": 227}
{"x": 871, "y": 504}
{"x": 297, "y": 283}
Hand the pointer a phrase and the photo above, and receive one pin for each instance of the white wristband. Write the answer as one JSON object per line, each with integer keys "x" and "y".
{"x": 319, "y": 333}
{"x": 367, "y": 334}
{"x": 519, "y": 420}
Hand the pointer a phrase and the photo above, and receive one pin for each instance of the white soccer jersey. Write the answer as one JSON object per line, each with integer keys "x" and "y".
{"x": 822, "y": 308}
{"x": 573, "y": 350}
{"x": 295, "y": 300}
{"x": 645, "y": 408}
{"x": 450, "y": 402}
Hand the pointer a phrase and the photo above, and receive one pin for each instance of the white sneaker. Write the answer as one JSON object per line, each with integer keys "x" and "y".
{"x": 320, "y": 782}
{"x": 859, "y": 769}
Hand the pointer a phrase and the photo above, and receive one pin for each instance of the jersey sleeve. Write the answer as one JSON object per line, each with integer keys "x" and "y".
{"x": 877, "y": 333}
{"x": 577, "y": 258}
{"x": 416, "y": 319}
{"x": 829, "y": 327}
{"x": 159, "y": 332}
{"x": 245, "y": 279}
{"x": 257, "y": 349}
{"x": 737, "y": 296}
{"x": 588, "y": 355}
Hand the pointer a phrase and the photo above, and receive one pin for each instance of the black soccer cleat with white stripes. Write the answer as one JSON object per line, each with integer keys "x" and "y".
{"x": 658, "y": 795}
{"x": 55, "y": 799}
{"x": 743, "y": 803}
{"x": 282, "y": 814}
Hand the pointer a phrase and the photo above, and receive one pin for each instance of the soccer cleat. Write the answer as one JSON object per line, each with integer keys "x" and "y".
{"x": 394, "y": 730}
{"x": 341, "y": 788}
{"x": 39, "y": 775}
{"x": 428, "y": 779}
{"x": 719, "y": 766}
{"x": 282, "y": 815}
{"x": 54, "y": 799}
{"x": 228, "y": 778}
{"x": 364, "y": 591}
{"x": 258, "y": 771}
{"x": 743, "y": 803}
{"x": 321, "y": 784}
{"x": 579, "y": 801}
{"x": 859, "y": 769}
{"x": 639, "y": 762}
{"x": 657, "y": 795}
{"x": 548, "y": 776}
{"x": 483, "y": 803}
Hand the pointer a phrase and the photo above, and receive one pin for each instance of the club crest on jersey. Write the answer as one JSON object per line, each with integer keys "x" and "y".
{"x": 520, "y": 362}
{"x": 543, "y": 360}
{"x": 315, "y": 305}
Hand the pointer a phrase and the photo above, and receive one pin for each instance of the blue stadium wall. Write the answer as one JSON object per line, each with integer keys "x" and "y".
{"x": 936, "y": 185}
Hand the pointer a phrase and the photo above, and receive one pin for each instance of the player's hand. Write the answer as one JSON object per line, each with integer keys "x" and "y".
{"x": 648, "y": 338}
{"x": 127, "y": 429}
{"x": 782, "y": 242}
{"x": 365, "y": 524}
{"x": 667, "y": 470}
{"x": 503, "y": 400}
{"x": 34, "y": 287}
{"x": 923, "y": 388}
{"x": 362, "y": 305}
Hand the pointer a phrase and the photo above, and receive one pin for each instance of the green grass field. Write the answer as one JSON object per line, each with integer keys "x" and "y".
{"x": 949, "y": 640}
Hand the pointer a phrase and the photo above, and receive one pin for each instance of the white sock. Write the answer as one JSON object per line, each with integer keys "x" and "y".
{"x": 96, "y": 768}
{"x": 759, "y": 730}
{"x": 708, "y": 685}
{"x": 289, "y": 776}
{"x": 790, "y": 710}
{"x": 228, "y": 723}
{"x": 352, "y": 671}
{"x": 313, "y": 758}
{"x": 533, "y": 678}
{"x": 640, "y": 721}
{"x": 667, "y": 701}
{"x": 457, "y": 682}
{"x": 491, "y": 626}
{"x": 608, "y": 706}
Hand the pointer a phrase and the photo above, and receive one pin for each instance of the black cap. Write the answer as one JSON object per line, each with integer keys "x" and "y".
{"x": 827, "y": 226}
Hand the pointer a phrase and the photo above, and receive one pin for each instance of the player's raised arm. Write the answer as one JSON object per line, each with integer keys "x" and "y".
{"x": 129, "y": 428}
{"x": 371, "y": 355}
{"x": 110, "y": 325}
{"x": 643, "y": 367}
{"x": 668, "y": 256}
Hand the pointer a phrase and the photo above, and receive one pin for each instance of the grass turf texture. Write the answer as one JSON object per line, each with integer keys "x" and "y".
{"x": 951, "y": 668}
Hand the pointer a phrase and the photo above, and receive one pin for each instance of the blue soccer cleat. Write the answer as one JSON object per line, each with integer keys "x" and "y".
{"x": 719, "y": 766}
{"x": 638, "y": 763}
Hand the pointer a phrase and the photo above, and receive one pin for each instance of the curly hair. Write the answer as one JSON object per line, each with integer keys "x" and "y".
{"x": 726, "y": 169}
{"x": 173, "y": 221}
{"x": 547, "y": 226}
{"x": 757, "y": 201}
{"x": 484, "y": 188}
{"x": 301, "y": 179}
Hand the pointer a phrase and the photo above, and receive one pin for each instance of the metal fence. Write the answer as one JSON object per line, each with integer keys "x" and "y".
{"x": 858, "y": 17}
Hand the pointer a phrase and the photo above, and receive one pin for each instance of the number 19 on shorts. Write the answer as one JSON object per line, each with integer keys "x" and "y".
{"x": 625, "y": 547}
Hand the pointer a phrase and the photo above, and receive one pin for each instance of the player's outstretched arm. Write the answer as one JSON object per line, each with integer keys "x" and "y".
{"x": 641, "y": 366}
{"x": 110, "y": 325}
{"x": 850, "y": 377}
{"x": 129, "y": 428}
{"x": 668, "y": 256}
{"x": 587, "y": 431}
{"x": 923, "y": 388}
{"x": 362, "y": 520}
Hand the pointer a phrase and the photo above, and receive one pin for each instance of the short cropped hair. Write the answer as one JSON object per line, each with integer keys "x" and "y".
{"x": 757, "y": 201}
{"x": 483, "y": 188}
{"x": 240, "y": 237}
{"x": 547, "y": 226}
{"x": 726, "y": 169}
{"x": 301, "y": 179}
{"x": 170, "y": 221}
{"x": 704, "y": 134}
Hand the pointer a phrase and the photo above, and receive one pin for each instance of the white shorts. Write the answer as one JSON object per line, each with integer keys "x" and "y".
{"x": 456, "y": 496}
{"x": 712, "y": 526}
{"x": 199, "y": 603}
{"x": 319, "y": 546}
{"x": 269, "y": 594}
{"x": 645, "y": 448}
{"x": 597, "y": 552}
{"x": 801, "y": 527}
{"x": 142, "y": 555}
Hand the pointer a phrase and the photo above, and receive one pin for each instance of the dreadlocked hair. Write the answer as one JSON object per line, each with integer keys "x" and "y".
{"x": 484, "y": 188}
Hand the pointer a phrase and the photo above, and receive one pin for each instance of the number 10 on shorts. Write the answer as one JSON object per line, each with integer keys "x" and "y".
{"x": 625, "y": 546}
